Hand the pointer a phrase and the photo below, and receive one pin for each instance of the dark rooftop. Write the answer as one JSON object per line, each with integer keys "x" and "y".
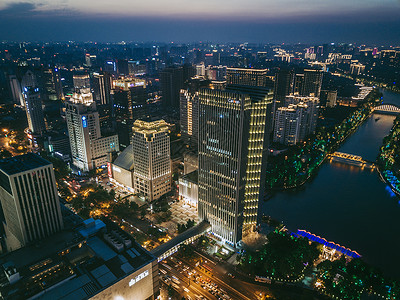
{"x": 125, "y": 159}
{"x": 192, "y": 177}
{"x": 22, "y": 163}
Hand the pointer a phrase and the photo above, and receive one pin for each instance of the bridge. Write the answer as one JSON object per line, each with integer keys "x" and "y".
{"x": 167, "y": 249}
{"x": 391, "y": 109}
{"x": 351, "y": 159}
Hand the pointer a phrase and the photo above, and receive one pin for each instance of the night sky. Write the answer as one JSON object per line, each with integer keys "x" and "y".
{"x": 266, "y": 21}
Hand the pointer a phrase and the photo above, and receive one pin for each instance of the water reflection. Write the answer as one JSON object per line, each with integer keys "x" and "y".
{"x": 347, "y": 204}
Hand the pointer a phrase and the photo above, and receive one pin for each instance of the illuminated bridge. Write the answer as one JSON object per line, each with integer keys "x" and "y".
{"x": 391, "y": 109}
{"x": 351, "y": 159}
{"x": 170, "y": 247}
{"x": 332, "y": 245}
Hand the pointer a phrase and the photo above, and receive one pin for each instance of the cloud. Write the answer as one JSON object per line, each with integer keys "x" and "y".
{"x": 18, "y": 9}
{"x": 40, "y": 9}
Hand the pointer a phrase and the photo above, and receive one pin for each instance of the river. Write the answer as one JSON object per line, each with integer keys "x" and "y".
{"x": 348, "y": 205}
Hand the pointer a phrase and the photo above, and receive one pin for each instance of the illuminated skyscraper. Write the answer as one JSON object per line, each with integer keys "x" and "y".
{"x": 88, "y": 148}
{"x": 29, "y": 199}
{"x": 232, "y": 138}
{"x": 102, "y": 83}
{"x": 151, "y": 158}
{"x": 251, "y": 77}
{"x": 189, "y": 111}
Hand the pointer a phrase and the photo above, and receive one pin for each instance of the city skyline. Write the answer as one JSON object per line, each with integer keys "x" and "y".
{"x": 255, "y": 21}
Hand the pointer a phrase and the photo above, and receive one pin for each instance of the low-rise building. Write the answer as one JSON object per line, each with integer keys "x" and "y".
{"x": 188, "y": 188}
{"x": 120, "y": 171}
{"x": 97, "y": 260}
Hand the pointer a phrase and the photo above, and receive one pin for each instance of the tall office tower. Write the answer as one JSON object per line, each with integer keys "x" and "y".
{"x": 312, "y": 83}
{"x": 252, "y": 77}
{"x": 88, "y": 148}
{"x": 189, "y": 111}
{"x": 200, "y": 70}
{"x": 34, "y": 110}
{"x": 172, "y": 81}
{"x": 298, "y": 84}
{"x": 233, "y": 130}
{"x": 151, "y": 158}
{"x": 29, "y": 80}
{"x": 122, "y": 67}
{"x": 16, "y": 92}
{"x": 102, "y": 83}
{"x": 129, "y": 104}
{"x": 52, "y": 84}
{"x": 283, "y": 86}
{"x": 29, "y": 199}
{"x": 81, "y": 81}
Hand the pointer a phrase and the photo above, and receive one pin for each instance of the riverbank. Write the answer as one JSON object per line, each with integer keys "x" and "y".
{"x": 344, "y": 203}
{"x": 291, "y": 172}
{"x": 389, "y": 158}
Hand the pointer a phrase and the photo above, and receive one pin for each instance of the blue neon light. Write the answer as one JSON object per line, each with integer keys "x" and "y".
{"x": 84, "y": 122}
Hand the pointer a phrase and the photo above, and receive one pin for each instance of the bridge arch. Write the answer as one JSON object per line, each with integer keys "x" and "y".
{"x": 390, "y": 108}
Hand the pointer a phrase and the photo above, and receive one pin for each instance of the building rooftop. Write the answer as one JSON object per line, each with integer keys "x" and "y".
{"x": 125, "y": 159}
{"x": 68, "y": 265}
{"x": 22, "y": 163}
{"x": 150, "y": 127}
{"x": 192, "y": 177}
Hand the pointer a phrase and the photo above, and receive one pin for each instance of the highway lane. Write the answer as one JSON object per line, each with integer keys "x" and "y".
{"x": 194, "y": 288}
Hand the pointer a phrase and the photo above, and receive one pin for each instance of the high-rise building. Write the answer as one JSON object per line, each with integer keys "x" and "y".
{"x": 29, "y": 80}
{"x": 52, "y": 84}
{"x": 88, "y": 148}
{"x": 312, "y": 83}
{"x": 233, "y": 130}
{"x": 172, "y": 81}
{"x": 81, "y": 81}
{"x": 251, "y": 77}
{"x": 129, "y": 104}
{"x": 298, "y": 84}
{"x": 34, "y": 110}
{"x": 287, "y": 124}
{"x": 16, "y": 92}
{"x": 102, "y": 83}
{"x": 151, "y": 158}
{"x": 296, "y": 120}
{"x": 283, "y": 86}
{"x": 189, "y": 111}
{"x": 29, "y": 199}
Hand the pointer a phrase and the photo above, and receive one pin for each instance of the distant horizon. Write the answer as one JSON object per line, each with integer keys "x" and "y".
{"x": 179, "y": 43}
